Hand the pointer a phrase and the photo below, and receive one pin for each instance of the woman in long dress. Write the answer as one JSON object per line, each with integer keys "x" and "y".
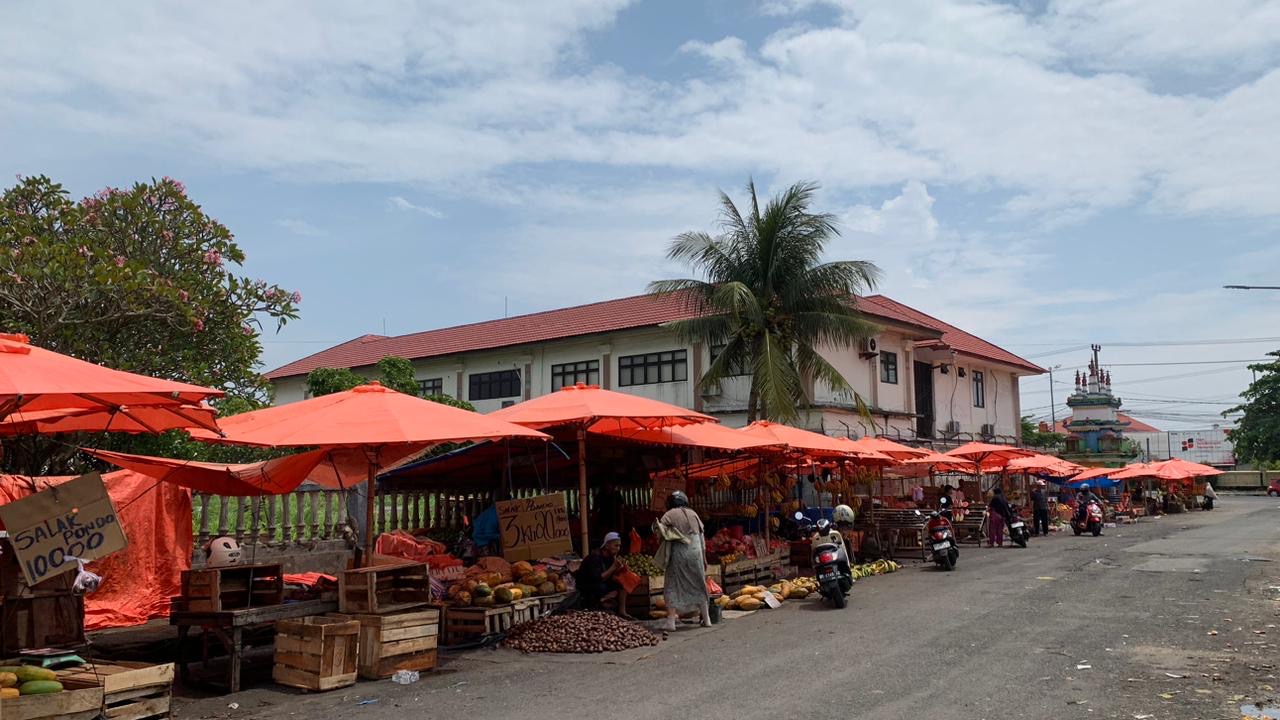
{"x": 684, "y": 553}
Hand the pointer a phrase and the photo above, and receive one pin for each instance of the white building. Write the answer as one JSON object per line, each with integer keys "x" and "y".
{"x": 921, "y": 377}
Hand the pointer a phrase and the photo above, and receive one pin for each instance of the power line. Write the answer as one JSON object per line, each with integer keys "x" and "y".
{"x": 1163, "y": 343}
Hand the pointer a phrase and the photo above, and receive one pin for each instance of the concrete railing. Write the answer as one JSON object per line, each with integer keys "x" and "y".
{"x": 1245, "y": 480}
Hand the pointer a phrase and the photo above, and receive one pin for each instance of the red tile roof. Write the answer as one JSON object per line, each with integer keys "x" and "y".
{"x": 602, "y": 317}
{"x": 952, "y": 336}
{"x": 1135, "y": 425}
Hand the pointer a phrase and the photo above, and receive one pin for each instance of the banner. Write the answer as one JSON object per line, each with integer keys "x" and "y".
{"x": 534, "y": 527}
{"x": 73, "y": 520}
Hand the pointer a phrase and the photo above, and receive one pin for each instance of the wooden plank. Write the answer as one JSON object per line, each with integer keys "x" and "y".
{"x": 404, "y": 647}
{"x": 154, "y": 708}
{"x": 409, "y": 633}
{"x": 68, "y": 703}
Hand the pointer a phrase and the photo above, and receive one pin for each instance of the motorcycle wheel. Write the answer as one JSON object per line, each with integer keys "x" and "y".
{"x": 1021, "y": 541}
{"x": 1076, "y": 530}
{"x": 838, "y": 600}
{"x": 948, "y": 563}
{"x": 1096, "y": 529}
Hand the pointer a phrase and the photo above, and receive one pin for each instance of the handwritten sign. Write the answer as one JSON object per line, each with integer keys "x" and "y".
{"x": 534, "y": 527}
{"x": 73, "y": 520}
{"x": 663, "y": 486}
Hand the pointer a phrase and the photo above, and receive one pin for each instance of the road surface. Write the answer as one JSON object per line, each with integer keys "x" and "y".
{"x": 1169, "y": 618}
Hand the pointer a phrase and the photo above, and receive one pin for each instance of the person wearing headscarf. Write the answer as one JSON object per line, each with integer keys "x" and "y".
{"x": 682, "y": 557}
{"x": 595, "y": 579}
{"x": 998, "y": 515}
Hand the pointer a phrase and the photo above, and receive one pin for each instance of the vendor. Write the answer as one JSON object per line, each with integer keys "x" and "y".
{"x": 597, "y": 585}
{"x": 946, "y": 504}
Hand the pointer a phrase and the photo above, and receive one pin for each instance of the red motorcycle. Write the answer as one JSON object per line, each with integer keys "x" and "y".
{"x": 941, "y": 540}
{"x": 1089, "y": 521}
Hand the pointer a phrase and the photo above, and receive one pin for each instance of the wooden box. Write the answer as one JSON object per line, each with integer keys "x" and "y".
{"x": 640, "y": 602}
{"x": 398, "y": 641}
{"x": 316, "y": 653}
{"x": 48, "y": 614}
{"x": 548, "y": 604}
{"x": 384, "y": 589}
{"x": 79, "y": 700}
{"x": 132, "y": 691}
{"x": 525, "y": 610}
{"x": 464, "y": 624}
{"x": 232, "y": 588}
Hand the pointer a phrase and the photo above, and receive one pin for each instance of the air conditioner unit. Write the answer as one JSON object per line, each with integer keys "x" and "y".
{"x": 988, "y": 430}
{"x": 953, "y": 428}
{"x": 868, "y": 347}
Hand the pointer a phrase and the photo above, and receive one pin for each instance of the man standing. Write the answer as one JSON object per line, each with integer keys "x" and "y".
{"x": 1040, "y": 510}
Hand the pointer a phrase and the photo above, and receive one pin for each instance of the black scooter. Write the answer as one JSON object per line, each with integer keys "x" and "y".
{"x": 1018, "y": 532}
{"x": 830, "y": 561}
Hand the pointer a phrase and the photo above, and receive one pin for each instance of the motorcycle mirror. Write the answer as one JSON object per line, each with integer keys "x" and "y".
{"x": 799, "y": 515}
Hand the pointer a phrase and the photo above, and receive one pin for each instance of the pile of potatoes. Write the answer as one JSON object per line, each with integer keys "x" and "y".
{"x": 579, "y": 632}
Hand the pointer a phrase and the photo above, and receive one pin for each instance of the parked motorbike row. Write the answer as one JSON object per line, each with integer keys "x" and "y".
{"x": 833, "y": 569}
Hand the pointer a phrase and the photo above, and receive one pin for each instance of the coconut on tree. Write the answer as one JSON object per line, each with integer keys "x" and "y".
{"x": 769, "y": 302}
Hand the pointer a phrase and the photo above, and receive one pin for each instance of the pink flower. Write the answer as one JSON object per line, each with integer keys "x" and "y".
{"x": 166, "y": 235}
{"x": 246, "y": 330}
{"x": 213, "y": 257}
{"x": 16, "y": 277}
{"x": 297, "y": 297}
{"x": 119, "y": 261}
{"x": 183, "y": 295}
{"x": 199, "y": 325}
{"x": 84, "y": 251}
{"x": 177, "y": 184}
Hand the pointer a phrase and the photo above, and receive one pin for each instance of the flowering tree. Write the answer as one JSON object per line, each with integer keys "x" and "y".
{"x": 139, "y": 280}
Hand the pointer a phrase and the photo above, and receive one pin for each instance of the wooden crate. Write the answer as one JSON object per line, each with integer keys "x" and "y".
{"x": 641, "y": 601}
{"x": 132, "y": 691}
{"x": 398, "y": 641}
{"x": 464, "y": 624}
{"x": 47, "y": 614}
{"x": 384, "y": 589}
{"x": 79, "y": 700}
{"x": 733, "y": 576}
{"x": 547, "y": 604}
{"x": 232, "y": 588}
{"x": 316, "y": 653}
{"x": 525, "y": 610}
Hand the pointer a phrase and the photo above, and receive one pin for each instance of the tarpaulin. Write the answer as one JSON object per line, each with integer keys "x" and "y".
{"x": 138, "y": 581}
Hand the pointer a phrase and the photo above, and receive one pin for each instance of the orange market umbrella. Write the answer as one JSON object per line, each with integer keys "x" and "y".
{"x": 709, "y": 436}
{"x": 1043, "y": 464}
{"x": 591, "y": 408}
{"x": 1094, "y": 473}
{"x": 33, "y": 379}
{"x": 143, "y": 419}
{"x": 271, "y": 477}
{"x": 987, "y": 457}
{"x": 884, "y": 446}
{"x": 811, "y": 443}
{"x": 370, "y": 417}
{"x": 1175, "y": 469}
{"x": 941, "y": 463}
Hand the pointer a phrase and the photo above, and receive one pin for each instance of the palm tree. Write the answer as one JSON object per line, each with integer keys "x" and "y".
{"x": 768, "y": 301}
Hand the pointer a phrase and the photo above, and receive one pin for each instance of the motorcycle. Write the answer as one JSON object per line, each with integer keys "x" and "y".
{"x": 941, "y": 541}
{"x": 1091, "y": 522}
{"x": 830, "y": 562}
{"x": 1018, "y": 532}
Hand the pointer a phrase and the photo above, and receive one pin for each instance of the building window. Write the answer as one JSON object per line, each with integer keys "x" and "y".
{"x": 431, "y": 386}
{"x": 653, "y": 368}
{"x": 586, "y": 372}
{"x": 888, "y": 367}
{"x": 736, "y": 369}
{"x": 979, "y": 389}
{"x": 501, "y": 384}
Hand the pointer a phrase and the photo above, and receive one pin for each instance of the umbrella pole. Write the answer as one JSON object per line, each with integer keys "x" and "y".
{"x": 370, "y": 496}
{"x": 582, "y": 487}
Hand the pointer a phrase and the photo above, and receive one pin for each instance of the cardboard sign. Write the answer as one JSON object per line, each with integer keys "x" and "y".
{"x": 772, "y": 600}
{"x": 73, "y": 520}
{"x": 761, "y": 547}
{"x": 663, "y": 486}
{"x": 534, "y": 527}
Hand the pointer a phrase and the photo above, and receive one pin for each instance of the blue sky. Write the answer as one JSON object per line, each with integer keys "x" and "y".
{"x": 1045, "y": 174}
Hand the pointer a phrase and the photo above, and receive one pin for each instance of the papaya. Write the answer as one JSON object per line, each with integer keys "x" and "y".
{"x": 527, "y": 591}
{"x": 660, "y": 602}
{"x": 40, "y": 687}
{"x": 28, "y": 673}
{"x": 562, "y": 586}
{"x": 9, "y": 693}
{"x": 724, "y": 601}
{"x": 749, "y": 603}
{"x": 8, "y": 680}
{"x": 504, "y": 595}
{"x": 553, "y": 577}
{"x": 470, "y": 586}
{"x": 482, "y": 590}
{"x": 547, "y": 588}
{"x": 463, "y": 598}
{"x": 521, "y": 568}
{"x": 797, "y": 593}
{"x": 484, "y": 601}
{"x": 537, "y": 577}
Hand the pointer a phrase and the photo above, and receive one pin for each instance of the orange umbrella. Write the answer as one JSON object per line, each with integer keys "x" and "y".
{"x": 987, "y": 457}
{"x": 811, "y": 443}
{"x": 1175, "y": 469}
{"x": 271, "y": 477}
{"x": 125, "y": 419}
{"x": 369, "y": 417}
{"x": 1092, "y": 473}
{"x": 1043, "y": 464}
{"x": 895, "y": 450}
{"x": 941, "y": 463}
{"x": 34, "y": 379}
{"x": 588, "y": 407}
{"x": 710, "y": 436}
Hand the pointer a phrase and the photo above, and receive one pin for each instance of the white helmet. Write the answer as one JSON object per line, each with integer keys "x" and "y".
{"x": 842, "y": 514}
{"x": 222, "y": 552}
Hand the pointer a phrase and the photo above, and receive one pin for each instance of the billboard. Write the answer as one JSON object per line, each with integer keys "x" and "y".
{"x": 1207, "y": 447}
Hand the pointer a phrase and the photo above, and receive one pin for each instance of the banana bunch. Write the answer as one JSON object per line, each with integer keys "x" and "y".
{"x": 723, "y": 482}
{"x": 879, "y": 567}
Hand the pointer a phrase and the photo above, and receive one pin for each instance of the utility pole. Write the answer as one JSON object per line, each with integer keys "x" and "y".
{"x": 1053, "y": 405}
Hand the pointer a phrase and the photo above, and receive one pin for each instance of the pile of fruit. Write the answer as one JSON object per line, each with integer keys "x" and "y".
{"x": 879, "y": 567}
{"x": 486, "y": 589}
{"x": 579, "y": 632}
{"x": 641, "y": 564}
{"x": 751, "y": 597}
{"x": 27, "y": 680}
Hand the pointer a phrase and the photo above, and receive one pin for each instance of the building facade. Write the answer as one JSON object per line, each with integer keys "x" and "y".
{"x": 920, "y": 377}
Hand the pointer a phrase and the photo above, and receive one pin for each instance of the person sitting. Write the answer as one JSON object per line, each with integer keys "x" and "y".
{"x": 597, "y": 586}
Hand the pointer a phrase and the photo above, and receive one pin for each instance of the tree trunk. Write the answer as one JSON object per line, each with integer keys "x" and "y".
{"x": 753, "y": 403}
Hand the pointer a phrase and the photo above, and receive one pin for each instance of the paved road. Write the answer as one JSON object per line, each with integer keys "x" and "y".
{"x": 1005, "y": 636}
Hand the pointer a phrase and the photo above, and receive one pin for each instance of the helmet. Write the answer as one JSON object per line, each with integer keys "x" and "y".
{"x": 222, "y": 552}
{"x": 677, "y": 499}
{"x": 842, "y": 514}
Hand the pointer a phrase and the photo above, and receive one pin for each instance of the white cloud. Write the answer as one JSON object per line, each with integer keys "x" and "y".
{"x": 300, "y": 227}
{"x": 398, "y": 202}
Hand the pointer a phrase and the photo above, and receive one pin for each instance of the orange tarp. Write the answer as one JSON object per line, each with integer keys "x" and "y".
{"x": 137, "y": 581}
{"x": 143, "y": 419}
{"x": 712, "y": 436}
{"x": 600, "y": 410}
{"x": 33, "y": 379}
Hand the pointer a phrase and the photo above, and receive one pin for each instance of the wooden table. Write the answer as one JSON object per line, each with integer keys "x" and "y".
{"x": 229, "y": 627}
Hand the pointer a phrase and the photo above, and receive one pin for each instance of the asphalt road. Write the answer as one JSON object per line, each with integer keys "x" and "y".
{"x": 1169, "y": 618}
